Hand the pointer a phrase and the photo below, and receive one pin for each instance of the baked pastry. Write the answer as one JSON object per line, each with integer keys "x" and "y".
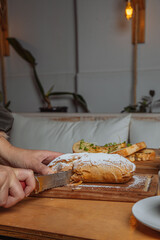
{"x": 143, "y": 155}
{"x": 82, "y": 146}
{"x": 133, "y": 152}
{"x": 131, "y": 149}
{"x": 95, "y": 167}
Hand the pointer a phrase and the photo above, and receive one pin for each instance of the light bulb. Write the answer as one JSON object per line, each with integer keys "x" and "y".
{"x": 128, "y": 10}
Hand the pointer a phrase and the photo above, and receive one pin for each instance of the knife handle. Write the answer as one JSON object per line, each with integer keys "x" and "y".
{"x": 23, "y": 184}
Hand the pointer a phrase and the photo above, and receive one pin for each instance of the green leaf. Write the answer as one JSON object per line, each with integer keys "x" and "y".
{"x": 49, "y": 91}
{"x": 7, "y": 104}
{"x": 77, "y": 97}
{"x": 130, "y": 109}
{"x": 60, "y": 93}
{"x": 25, "y": 54}
{"x": 38, "y": 82}
{"x": 81, "y": 100}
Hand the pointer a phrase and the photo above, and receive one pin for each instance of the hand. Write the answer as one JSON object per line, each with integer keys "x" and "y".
{"x": 11, "y": 191}
{"x": 33, "y": 159}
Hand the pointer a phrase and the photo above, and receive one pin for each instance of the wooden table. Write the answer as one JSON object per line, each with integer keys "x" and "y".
{"x": 48, "y": 218}
{"x": 53, "y": 218}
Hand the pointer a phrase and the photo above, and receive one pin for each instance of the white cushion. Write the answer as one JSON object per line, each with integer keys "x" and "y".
{"x": 147, "y": 131}
{"x": 39, "y": 133}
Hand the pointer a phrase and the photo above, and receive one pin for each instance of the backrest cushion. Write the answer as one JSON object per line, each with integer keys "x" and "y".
{"x": 145, "y": 130}
{"x": 40, "y": 133}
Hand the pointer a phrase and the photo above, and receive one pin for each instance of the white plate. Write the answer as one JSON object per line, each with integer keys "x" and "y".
{"x": 147, "y": 211}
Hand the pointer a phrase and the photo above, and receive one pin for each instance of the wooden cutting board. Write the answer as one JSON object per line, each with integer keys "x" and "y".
{"x": 151, "y": 167}
{"x": 139, "y": 187}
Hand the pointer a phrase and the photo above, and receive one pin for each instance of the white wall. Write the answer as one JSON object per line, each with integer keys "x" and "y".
{"x": 46, "y": 28}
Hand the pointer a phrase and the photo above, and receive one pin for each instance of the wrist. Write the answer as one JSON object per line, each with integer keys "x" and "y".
{"x": 3, "y": 134}
{"x": 6, "y": 149}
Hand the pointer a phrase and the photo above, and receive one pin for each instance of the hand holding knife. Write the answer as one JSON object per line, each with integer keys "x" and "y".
{"x": 44, "y": 182}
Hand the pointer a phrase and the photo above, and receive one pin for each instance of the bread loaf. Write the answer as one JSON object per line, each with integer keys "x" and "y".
{"x": 95, "y": 167}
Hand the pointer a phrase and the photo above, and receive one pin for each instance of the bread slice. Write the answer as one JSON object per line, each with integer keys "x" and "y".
{"x": 134, "y": 152}
{"x": 143, "y": 155}
{"x": 131, "y": 149}
{"x": 82, "y": 146}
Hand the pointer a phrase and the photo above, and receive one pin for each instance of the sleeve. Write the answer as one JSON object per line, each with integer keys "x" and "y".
{"x": 6, "y": 120}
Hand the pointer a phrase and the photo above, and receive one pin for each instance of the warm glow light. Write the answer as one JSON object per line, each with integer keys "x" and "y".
{"x": 128, "y": 10}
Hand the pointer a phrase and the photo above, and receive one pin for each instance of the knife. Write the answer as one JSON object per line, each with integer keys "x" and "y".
{"x": 44, "y": 182}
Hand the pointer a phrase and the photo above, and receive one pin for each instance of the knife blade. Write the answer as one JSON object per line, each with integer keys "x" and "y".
{"x": 44, "y": 182}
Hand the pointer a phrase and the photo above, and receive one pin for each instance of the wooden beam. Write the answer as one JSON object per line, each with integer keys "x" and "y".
{"x": 135, "y": 50}
{"x": 4, "y": 26}
{"x": 139, "y": 12}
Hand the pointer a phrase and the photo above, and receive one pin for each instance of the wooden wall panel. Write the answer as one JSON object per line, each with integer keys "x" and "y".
{"x": 139, "y": 19}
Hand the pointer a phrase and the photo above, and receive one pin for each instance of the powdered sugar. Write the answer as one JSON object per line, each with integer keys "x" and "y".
{"x": 95, "y": 159}
{"x": 67, "y": 157}
{"x": 104, "y": 159}
{"x": 137, "y": 180}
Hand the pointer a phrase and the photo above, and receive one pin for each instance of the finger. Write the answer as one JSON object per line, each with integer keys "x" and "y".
{"x": 15, "y": 195}
{"x": 10, "y": 189}
{"x": 27, "y": 176}
{"x": 23, "y": 184}
{"x": 43, "y": 169}
{"x": 51, "y": 156}
{"x": 46, "y": 170}
{"x": 3, "y": 197}
{"x": 4, "y": 188}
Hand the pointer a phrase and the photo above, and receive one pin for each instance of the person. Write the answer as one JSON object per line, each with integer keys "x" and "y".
{"x": 18, "y": 165}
